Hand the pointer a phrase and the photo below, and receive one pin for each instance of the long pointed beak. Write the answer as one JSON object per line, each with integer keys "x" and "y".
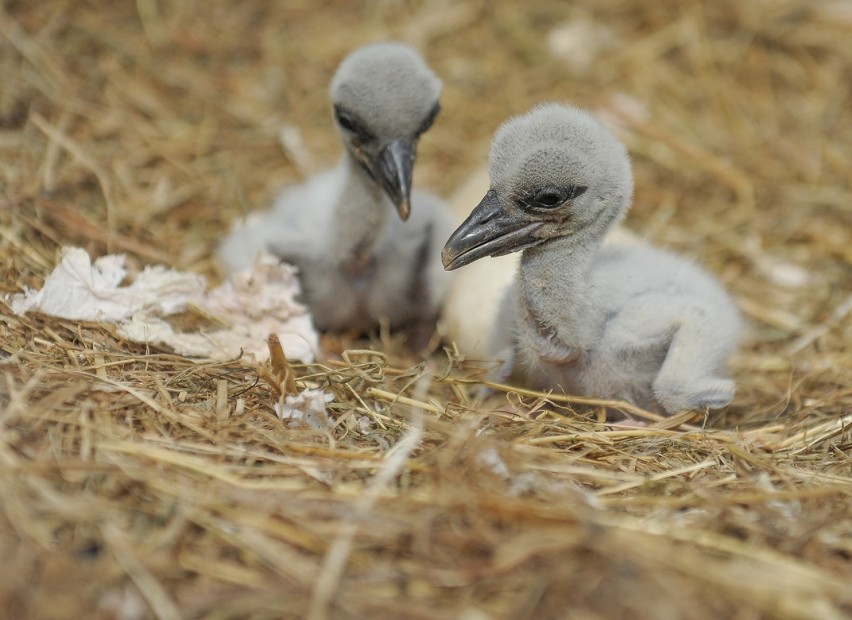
{"x": 490, "y": 230}
{"x": 395, "y": 164}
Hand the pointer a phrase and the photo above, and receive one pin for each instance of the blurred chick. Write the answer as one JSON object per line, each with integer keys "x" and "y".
{"x": 359, "y": 263}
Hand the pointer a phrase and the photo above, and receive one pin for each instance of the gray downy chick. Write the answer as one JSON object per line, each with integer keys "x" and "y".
{"x": 628, "y": 322}
{"x": 366, "y": 246}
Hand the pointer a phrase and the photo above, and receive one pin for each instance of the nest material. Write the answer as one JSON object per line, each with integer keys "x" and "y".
{"x": 135, "y": 483}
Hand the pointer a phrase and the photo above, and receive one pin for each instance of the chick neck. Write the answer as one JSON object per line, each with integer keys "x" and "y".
{"x": 554, "y": 284}
{"x": 361, "y": 215}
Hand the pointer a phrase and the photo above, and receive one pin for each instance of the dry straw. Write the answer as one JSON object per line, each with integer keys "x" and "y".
{"x": 135, "y": 483}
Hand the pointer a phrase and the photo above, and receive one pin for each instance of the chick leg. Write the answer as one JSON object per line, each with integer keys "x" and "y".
{"x": 687, "y": 378}
{"x": 693, "y": 345}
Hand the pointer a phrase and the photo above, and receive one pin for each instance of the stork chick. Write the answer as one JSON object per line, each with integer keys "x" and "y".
{"x": 628, "y": 322}
{"x": 359, "y": 263}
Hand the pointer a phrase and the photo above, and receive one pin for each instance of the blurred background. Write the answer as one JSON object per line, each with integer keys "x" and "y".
{"x": 147, "y": 127}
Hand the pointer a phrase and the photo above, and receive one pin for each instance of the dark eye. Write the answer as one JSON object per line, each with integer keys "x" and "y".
{"x": 552, "y": 196}
{"x": 429, "y": 119}
{"x": 350, "y": 123}
{"x": 345, "y": 121}
{"x": 549, "y": 197}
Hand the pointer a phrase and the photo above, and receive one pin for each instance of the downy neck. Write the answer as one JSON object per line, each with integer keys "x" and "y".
{"x": 361, "y": 215}
{"x": 554, "y": 285}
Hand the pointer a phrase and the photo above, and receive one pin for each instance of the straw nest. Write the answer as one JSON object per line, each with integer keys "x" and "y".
{"x": 135, "y": 483}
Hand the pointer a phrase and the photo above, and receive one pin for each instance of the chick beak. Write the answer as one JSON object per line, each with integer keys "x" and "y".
{"x": 490, "y": 230}
{"x": 396, "y": 161}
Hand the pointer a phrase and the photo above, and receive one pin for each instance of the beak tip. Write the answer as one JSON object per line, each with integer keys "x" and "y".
{"x": 404, "y": 210}
{"x": 445, "y": 261}
{"x": 447, "y": 258}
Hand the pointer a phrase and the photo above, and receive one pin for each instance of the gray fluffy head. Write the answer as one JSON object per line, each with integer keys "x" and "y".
{"x": 388, "y": 86}
{"x": 561, "y": 145}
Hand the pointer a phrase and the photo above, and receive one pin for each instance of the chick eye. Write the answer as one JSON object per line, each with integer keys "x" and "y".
{"x": 552, "y": 196}
{"x": 429, "y": 119}
{"x": 549, "y": 197}
{"x": 350, "y": 123}
{"x": 344, "y": 119}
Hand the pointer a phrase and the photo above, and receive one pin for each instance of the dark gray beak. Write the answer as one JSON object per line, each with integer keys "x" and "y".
{"x": 491, "y": 229}
{"x": 395, "y": 163}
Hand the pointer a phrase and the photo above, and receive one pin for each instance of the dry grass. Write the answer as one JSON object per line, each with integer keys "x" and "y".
{"x": 135, "y": 483}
